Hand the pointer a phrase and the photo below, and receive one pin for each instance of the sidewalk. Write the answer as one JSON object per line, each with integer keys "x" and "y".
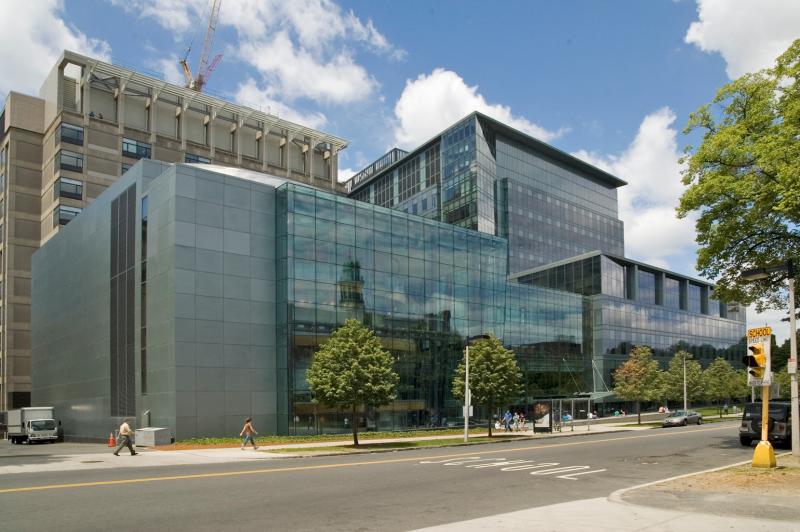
{"x": 54, "y": 461}
{"x": 649, "y": 507}
{"x": 600, "y": 514}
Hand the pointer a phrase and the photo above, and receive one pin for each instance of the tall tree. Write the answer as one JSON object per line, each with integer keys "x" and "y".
{"x": 740, "y": 388}
{"x": 744, "y": 181}
{"x": 784, "y": 381}
{"x": 719, "y": 381}
{"x": 638, "y": 378}
{"x": 352, "y": 369}
{"x": 673, "y": 378}
{"x": 494, "y": 376}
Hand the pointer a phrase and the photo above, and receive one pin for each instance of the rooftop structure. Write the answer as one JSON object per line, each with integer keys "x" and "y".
{"x": 90, "y": 122}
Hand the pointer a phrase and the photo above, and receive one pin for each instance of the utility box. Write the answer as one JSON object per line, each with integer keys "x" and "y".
{"x": 152, "y": 436}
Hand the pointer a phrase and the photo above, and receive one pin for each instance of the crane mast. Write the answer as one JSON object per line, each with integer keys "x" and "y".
{"x": 205, "y": 68}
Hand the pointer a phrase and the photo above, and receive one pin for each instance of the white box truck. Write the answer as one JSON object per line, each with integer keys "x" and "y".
{"x": 32, "y": 424}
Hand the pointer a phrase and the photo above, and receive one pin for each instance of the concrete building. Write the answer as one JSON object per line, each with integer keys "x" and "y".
{"x": 90, "y": 122}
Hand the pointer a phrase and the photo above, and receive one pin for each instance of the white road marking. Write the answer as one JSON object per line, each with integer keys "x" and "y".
{"x": 560, "y": 470}
{"x": 566, "y": 472}
{"x": 572, "y": 476}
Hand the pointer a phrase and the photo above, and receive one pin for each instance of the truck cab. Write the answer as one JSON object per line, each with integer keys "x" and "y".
{"x": 42, "y": 430}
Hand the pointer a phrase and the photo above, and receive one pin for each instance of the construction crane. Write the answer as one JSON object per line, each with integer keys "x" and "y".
{"x": 205, "y": 68}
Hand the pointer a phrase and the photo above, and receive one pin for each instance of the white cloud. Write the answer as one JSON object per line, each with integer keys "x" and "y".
{"x": 251, "y": 95}
{"x": 647, "y": 204}
{"x": 749, "y": 34}
{"x": 433, "y": 102}
{"x": 293, "y": 72}
{"x": 771, "y": 318}
{"x": 33, "y": 36}
{"x": 302, "y": 49}
{"x": 345, "y": 174}
{"x": 171, "y": 70}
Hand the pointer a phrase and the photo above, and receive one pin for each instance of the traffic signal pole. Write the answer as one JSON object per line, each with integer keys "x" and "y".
{"x": 764, "y": 455}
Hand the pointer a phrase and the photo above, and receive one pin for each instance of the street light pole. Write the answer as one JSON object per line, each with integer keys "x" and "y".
{"x": 685, "y": 402}
{"x": 467, "y": 392}
{"x": 467, "y": 400}
{"x": 792, "y": 367}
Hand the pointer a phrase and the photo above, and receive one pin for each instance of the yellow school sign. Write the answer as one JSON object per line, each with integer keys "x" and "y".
{"x": 759, "y": 374}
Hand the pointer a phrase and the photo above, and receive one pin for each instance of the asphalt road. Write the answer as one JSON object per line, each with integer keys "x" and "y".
{"x": 383, "y": 491}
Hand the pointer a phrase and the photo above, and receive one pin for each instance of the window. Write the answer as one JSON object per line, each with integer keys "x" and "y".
{"x": 71, "y": 134}
{"x": 71, "y": 161}
{"x": 63, "y": 214}
{"x": 135, "y": 149}
{"x": 192, "y": 158}
{"x": 69, "y": 188}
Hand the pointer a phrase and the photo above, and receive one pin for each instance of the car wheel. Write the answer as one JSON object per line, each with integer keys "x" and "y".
{"x": 699, "y": 420}
{"x": 685, "y": 422}
{"x": 745, "y": 441}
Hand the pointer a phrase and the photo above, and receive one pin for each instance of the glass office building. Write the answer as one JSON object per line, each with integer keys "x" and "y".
{"x": 224, "y": 282}
{"x": 423, "y": 286}
{"x": 483, "y": 175}
{"x": 629, "y": 303}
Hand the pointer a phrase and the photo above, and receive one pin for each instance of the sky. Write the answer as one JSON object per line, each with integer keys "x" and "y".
{"x": 610, "y": 82}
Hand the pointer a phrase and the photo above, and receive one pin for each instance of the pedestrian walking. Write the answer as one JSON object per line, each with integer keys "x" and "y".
{"x": 125, "y": 434}
{"x": 249, "y": 433}
{"x": 515, "y": 421}
{"x": 507, "y": 417}
{"x": 522, "y": 421}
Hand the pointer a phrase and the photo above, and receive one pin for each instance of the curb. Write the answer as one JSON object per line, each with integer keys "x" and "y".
{"x": 617, "y": 495}
{"x": 505, "y": 440}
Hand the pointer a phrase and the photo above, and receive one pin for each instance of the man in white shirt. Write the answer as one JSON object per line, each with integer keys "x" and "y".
{"x": 125, "y": 434}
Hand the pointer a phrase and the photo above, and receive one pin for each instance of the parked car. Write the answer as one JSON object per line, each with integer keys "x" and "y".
{"x": 779, "y": 427}
{"x": 682, "y": 418}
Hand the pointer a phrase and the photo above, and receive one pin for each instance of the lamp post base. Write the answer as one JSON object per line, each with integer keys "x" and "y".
{"x": 764, "y": 455}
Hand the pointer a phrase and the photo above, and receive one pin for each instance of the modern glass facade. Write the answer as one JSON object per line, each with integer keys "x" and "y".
{"x": 423, "y": 286}
{"x": 627, "y": 306}
{"x": 548, "y": 205}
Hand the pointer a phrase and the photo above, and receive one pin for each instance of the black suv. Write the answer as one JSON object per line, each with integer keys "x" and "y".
{"x": 779, "y": 428}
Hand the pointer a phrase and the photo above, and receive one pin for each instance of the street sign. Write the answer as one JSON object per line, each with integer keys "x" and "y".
{"x": 464, "y": 411}
{"x": 757, "y": 358}
{"x": 792, "y": 365}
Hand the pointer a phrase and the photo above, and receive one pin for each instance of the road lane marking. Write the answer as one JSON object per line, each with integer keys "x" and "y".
{"x": 572, "y": 476}
{"x": 567, "y": 472}
{"x": 564, "y": 469}
{"x": 337, "y": 466}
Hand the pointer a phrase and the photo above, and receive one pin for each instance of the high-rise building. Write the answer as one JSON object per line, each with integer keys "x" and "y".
{"x": 484, "y": 175}
{"x": 89, "y": 123}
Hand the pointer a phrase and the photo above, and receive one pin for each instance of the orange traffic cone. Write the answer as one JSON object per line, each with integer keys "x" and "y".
{"x": 112, "y": 442}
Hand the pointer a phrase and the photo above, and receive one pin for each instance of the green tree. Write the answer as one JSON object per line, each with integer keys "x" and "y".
{"x": 673, "y": 378}
{"x": 740, "y": 389}
{"x": 352, "y": 369}
{"x": 494, "y": 376}
{"x": 783, "y": 380}
{"x": 719, "y": 380}
{"x": 743, "y": 181}
{"x": 638, "y": 378}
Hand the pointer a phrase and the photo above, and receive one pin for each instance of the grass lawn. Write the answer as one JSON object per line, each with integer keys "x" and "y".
{"x": 381, "y": 446}
{"x": 282, "y": 440}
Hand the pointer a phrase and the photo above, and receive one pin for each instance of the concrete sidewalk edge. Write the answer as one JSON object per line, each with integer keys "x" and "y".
{"x": 616, "y": 496}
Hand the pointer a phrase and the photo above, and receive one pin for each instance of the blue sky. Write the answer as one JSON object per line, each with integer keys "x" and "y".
{"x": 612, "y": 82}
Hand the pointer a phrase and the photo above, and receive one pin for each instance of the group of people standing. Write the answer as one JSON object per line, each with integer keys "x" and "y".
{"x": 513, "y": 422}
